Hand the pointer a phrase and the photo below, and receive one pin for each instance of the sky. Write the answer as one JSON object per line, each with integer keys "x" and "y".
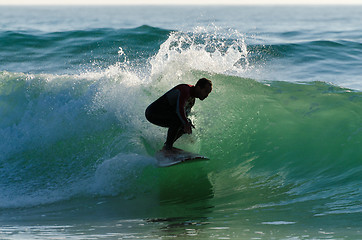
{"x": 172, "y": 2}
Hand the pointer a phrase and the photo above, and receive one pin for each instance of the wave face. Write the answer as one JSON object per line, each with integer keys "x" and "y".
{"x": 283, "y": 151}
{"x": 63, "y": 129}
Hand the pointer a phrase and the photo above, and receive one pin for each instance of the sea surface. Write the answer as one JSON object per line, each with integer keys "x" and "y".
{"x": 282, "y": 126}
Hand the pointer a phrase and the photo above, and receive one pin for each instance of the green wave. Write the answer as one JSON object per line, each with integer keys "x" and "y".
{"x": 78, "y": 135}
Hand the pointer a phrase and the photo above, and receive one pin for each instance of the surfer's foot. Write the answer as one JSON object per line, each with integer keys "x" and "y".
{"x": 170, "y": 149}
{"x": 166, "y": 148}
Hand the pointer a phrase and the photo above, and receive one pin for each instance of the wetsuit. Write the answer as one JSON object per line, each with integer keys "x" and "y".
{"x": 171, "y": 110}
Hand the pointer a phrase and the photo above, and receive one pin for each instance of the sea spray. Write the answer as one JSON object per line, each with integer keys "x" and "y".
{"x": 217, "y": 51}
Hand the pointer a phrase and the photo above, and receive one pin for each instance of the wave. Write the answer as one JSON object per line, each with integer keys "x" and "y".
{"x": 69, "y": 136}
{"x": 304, "y": 58}
{"x": 301, "y": 139}
{"x": 308, "y": 50}
{"x": 76, "y": 50}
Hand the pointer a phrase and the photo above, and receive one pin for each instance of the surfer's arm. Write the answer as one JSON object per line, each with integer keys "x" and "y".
{"x": 187, "y": 124}
{"x": 180, "y": 108}
{"x": 184, "y": 95}
{"x": 178, "y": 97}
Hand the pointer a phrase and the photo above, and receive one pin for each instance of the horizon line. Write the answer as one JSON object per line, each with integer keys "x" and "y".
{"x": 181, "y": 4}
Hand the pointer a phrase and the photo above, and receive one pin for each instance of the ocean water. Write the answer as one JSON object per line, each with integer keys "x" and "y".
{"x": 282, "y": 127}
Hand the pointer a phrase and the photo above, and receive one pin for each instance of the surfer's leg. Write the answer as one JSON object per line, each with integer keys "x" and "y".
{"x": 179, "y": 133}
{"x": 160, "y": 117}
{"x": 166, "y": 119}
{"x": 174, "y": 132}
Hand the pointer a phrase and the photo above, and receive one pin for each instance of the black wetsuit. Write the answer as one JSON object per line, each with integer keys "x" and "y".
{"x": 171, "y": 111}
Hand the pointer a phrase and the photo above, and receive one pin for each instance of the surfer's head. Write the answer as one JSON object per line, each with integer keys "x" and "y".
{"x": 203, "y": 88}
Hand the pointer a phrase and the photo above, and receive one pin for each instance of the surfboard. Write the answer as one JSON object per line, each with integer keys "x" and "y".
{"x": 166, "y": 158}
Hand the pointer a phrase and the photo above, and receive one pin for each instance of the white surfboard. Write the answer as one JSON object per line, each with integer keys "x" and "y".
{"x": 166, "y": 158}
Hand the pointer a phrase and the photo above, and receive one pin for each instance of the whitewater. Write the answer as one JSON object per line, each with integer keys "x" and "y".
{"x": 282, "y": 126}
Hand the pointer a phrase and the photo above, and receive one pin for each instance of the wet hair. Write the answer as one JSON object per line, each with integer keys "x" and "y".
{"x": 203, "y": 82}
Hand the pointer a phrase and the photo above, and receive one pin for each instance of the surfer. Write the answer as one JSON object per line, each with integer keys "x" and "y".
{"x": 171, "y": 110}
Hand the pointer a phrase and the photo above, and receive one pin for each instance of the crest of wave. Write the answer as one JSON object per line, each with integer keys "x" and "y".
{"x": 216, "y": 51}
